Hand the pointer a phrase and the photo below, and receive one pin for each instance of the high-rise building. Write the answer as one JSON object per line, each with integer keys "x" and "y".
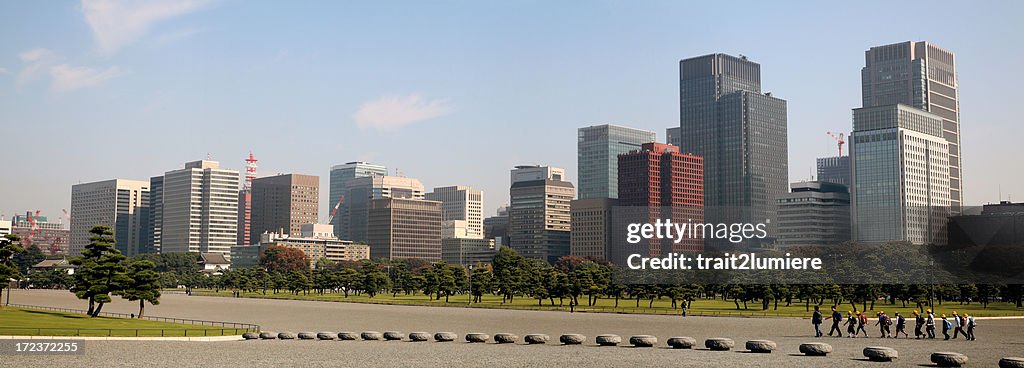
{"x": 245, "y": 202}
{"x": 496, "y": 227}
{"x": 598, "y": 149}
{"x": 340, "y": 176}
{"x": 591, "y": 227}
{"x": 672, "y": 136}
{"x": 364, "y": 189}
{"x": 156, "y": 213}
{"x": 199, "y": 209}
{"x": 461, "y": 203}
{"x": 670, "y": 185}
{"x": 539, "y": 216}
{"x": 121, "y": 204}
{"x": 741, "y": 134}
{"x": 900, "y": 174}
{"x": 835, "y": 169}
{"x": 404, "y": 228}
{"x": 814, "y": 213}
{"x": 921, "y": 75}
{"x": 51, "y": 237}
{"x": 283, "y": 203}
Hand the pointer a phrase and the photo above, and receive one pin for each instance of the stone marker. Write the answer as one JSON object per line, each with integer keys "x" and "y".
{"x": 537, "y": 339}
{"x": 477, "y": 337}
{"x": 307, "y": 336}
{"x": 719, "y": 344}
{"x": 286, "y": 336}
{"x": 250, "y": 336}
{"x": 371, "y": 335}
{"x": 445, "y": 336}
{"x": 761, "y": 346}
{"x": 505, "y": 338}
{"x": 347, "y": 336}
{"x": 608, "y": 340}
{"x": 393, "y": 336}
{"x": 815, "y": 348}
{"x": 326, "y": 335}
{"x": 949, "y": 359}
{"x": 419, "y": 336}
{"x": 266, "y": 335}
{"x": 682, "y": 342}
{"x": 643, "y": 341}
{"x": 880, "y": 353}
{"x": 572, "y": 339}
{"x": 1011, "y": 362}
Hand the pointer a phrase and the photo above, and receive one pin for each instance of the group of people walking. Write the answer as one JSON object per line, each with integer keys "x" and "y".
{"x": 856, "y": 323}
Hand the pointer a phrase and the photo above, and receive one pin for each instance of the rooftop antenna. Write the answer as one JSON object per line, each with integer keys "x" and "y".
{"x": 208, "y": 156}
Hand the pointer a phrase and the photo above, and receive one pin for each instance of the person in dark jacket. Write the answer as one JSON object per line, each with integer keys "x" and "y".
{"x": 918, "y": 324}
{"x": 836, "y": 318}
{"x": 816, "y": 321}
{"x": 901, "y": 325}
{"x": 851, "y": 324}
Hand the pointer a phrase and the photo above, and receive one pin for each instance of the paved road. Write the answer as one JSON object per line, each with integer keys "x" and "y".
{"x": 997, "y": 338}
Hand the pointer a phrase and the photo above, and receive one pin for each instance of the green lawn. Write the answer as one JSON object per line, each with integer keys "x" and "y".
{"x": 31, "y": 322}
{"x": 715, "y": 307}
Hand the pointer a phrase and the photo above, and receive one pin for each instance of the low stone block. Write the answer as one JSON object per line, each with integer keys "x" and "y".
{"x": 505, "y": 338}
{"x": 815, "y": 349}
{"x": 608, "y": 340}
{"x": 419, "y": 336}
{"x": 348, "y": 336}
{"x": 572, "y": 339}
{"x": 250, "y": 335}
{"x": 477, "y": 337}
{"x": 1011, "y": 362}
{"x": 445, "y": 336}
{"x": 307, "y": 336}
{"x": 880, "y": 353}
{"x": 371, "y": 335}
{"x": 393, "y": 336}
{"x": 286, "y": 336}
{"x": 719, "y": 344}
{"x": 537, "y": 339}
{"x": 949, "y": 359}
{"x": 761, "y": 346}
{"x": 265, "y": 335}
{"x": 682, "y": 342}
{"x": 643, "y": 341}
{"x": 326, "y": 336}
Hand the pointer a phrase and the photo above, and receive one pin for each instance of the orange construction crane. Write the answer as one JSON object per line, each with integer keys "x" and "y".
{"x": 841, "y": 139}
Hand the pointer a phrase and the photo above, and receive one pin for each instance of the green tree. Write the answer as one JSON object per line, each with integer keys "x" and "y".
{"x": 10, "y": 245}
{"x": 144, "y": 285}
{"x": 30, "y": 257}
{"x": 100, "y": 270}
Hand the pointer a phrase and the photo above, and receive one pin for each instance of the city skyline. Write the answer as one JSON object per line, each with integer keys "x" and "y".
{"x": 171, "y": 92}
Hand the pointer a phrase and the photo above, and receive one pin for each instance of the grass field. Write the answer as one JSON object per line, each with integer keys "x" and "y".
{"x": 701, "y": 307}
{"x": 31, "y": 322}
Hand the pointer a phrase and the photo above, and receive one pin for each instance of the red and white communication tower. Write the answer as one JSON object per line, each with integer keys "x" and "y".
{"x": 250, "y": 170}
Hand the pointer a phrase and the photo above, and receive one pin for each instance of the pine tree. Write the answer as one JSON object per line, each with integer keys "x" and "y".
{"x": 100, "y": 270}
{"x": 144, "y": 285}
{"x": 10, "y": 245}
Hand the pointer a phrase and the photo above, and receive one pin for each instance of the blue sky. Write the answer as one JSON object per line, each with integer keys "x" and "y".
{"x": 447, "y": 92}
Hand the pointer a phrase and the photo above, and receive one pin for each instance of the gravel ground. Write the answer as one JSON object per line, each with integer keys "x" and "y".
{"x": 997, "y": 338}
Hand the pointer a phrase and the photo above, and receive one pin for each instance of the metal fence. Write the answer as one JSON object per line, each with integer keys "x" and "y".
{"x": 244, "y": 327}
{"x": 120, "y": 332}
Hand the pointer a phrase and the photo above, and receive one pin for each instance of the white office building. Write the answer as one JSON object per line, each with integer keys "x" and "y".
{"x": 199, "y": 209}
{"x": 461, "y": 204}
{"x": 121, "y": 204}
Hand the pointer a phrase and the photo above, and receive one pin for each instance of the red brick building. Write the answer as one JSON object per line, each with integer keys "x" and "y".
{"x": 670, "y": 184}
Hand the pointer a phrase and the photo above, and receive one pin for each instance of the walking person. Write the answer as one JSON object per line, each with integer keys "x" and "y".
{"x": 881, "y": 323}
{"x": 901, "y": 326}
{"x": 918, "y": 324}
{"x": 836, "y": 318}
{"x": 970, "y": 326}
{"x": 816, "y": 321}
{"x": 946, "y": 325}
{"x": 930, "y": 324}
{"x": 684, "y": 309}
{"x": 851, "y": 325}
{"x": 862, "y": 323}
{"x": 958, "y": 326}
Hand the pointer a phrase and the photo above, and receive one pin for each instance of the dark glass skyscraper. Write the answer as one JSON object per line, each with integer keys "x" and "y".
{"x": 740, "y": 132}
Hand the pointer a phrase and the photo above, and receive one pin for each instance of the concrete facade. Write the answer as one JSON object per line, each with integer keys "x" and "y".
{"x": 539, "y": 215}
{"x": 199, "y": 209}
{"x": 404, "y": 228}
{"x": 461, "y": 203}
{"x": 283, "y": 203}
{"x": 121, "y": 204}
{"x": 814, "y": 213}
